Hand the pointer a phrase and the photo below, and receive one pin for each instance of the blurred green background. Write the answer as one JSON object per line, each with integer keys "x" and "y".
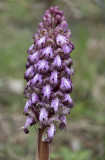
{"x": 84, "y": 138}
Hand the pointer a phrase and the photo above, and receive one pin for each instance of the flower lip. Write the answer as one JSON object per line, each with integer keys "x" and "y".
{"x": 50, "y": 133}
{"x": 65, "y": 85}
{"x": 68, "y": 101}
{"x": 30, "y": 49}
{"x": 66, "y": 49}
{"x": 55, "y": 104}
{"x": 60, "y": 39}
{"x": 42, "y": 66}
{"x": 69, "y": 71}
{"x": 48, "y": 52}
{"x": 54, "y": 78}
{"x": 28, "y": 104}
{"x": 57, "y": 63}
{"x": 46, "y": 92}
{"x": 43, "y": 115}
{"x": 34, "y": 57}
{"x": 41, "y": 41}
{"x": 35, "y": 98}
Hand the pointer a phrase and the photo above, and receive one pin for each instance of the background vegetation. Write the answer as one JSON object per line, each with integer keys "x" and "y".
{"x": 84, "y": 138}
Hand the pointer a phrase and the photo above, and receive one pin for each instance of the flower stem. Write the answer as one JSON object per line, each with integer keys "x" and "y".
{"x": 43, "y": 147}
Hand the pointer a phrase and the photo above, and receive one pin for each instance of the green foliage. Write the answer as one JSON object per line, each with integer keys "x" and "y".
{"x": 65, "y": 154}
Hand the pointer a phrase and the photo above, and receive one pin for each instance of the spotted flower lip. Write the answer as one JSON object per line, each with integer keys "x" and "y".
{"x": 34, "y": 57}
{"x": 50, "y": 132}
{"x": 37, "y": 79}
{"x": 48, "y": 75}
{"x": 41, "y": 41}
{"x": 28, "y": 104}
{"x": 61, "y": 39}
{"x": 68, "y": 101}
{"x": 57, "y": 63}
{"x": 62, "y": 125}
{"x": 42, "y": 66}
{"x": 30, "y": 49}
{"x": 46, "y": 92}
{"x": 66, "y": 49}
{"x": 69, "y": 71}
{"x": 48, "y": 52}
{"x": 43, "y": 115}
{"x": 54, "y": 78}
{"x": 65, "y": 84}
{"x": 55, "y": 104}
{"x": 35, "y": 98}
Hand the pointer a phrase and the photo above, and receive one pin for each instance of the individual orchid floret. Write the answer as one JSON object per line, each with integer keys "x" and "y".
{"x": 41, "y": 41}
{"x": 57, "y": 63}
{"x": 34, "y": 57}
{"x": 46, "y": 92}
{"x": 54, "y": 78}
{"x": 66, "y": 49}
{"x": 42, "y": 66}
{"x": 60, "y": 39}
{"x": 29, "y": 121}
{"x": 48, "y": 52}
{"x": 43, "y": 115}
{"x": 30, "y": 49}
{"x": 28, "y": 104}
{"x": 35, "y": 98}
{"x": 55, "y": 104}
{"x": 50, "y": 133}
{"x": 65, "y": 85}
{"x": 62, "y": 119}
{"x": 29, "y": 73}
{"x": 68, "y": 101}
{"x": 37, "y": 79}
{"x": 69, "y": 71}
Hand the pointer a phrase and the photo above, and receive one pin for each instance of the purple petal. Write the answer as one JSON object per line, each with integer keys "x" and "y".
{"x": 68, "y": 101}
{"x": 28, "y": 104}
{"x": 65, "y": 84}
{"x": 63, "y": 24}
{"x": 62, "y": 125}
{"x": 48, "y": 52}
{"x": 42, "y": 66}
{"x": 57, "y": 63}
{"x": 34, "y": 57}
{"x": 46, "y": 92}
{"x": 68, "y": 62}
{"x": 66, "y": 49}
{"x": 27, "y": 65}
{"x": 65, "y": 111}
{"x": 30, "y": 48}
{"x": 28, "y": 84}
{"x": 28, "y": 122}
{"x": 37, "y": 79}
{"x": 55, "y": 104}
{"x": 35, "y": 98}
{"x": 29, "y": 73}
{"x": 60, "y": 39}
{"x": 41, "y": 41}
{"x": 69, "y": 71}
{"x": 50, "y": 133}
{"x": 54, "y": 77}
{"x": 43, "y": 115}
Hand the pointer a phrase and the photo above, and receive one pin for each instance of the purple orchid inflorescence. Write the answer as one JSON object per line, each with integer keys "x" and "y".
{"x": 49, "y": 74}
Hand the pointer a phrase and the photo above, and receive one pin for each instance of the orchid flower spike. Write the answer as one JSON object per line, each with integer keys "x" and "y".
{"x": 49, "y": 74}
